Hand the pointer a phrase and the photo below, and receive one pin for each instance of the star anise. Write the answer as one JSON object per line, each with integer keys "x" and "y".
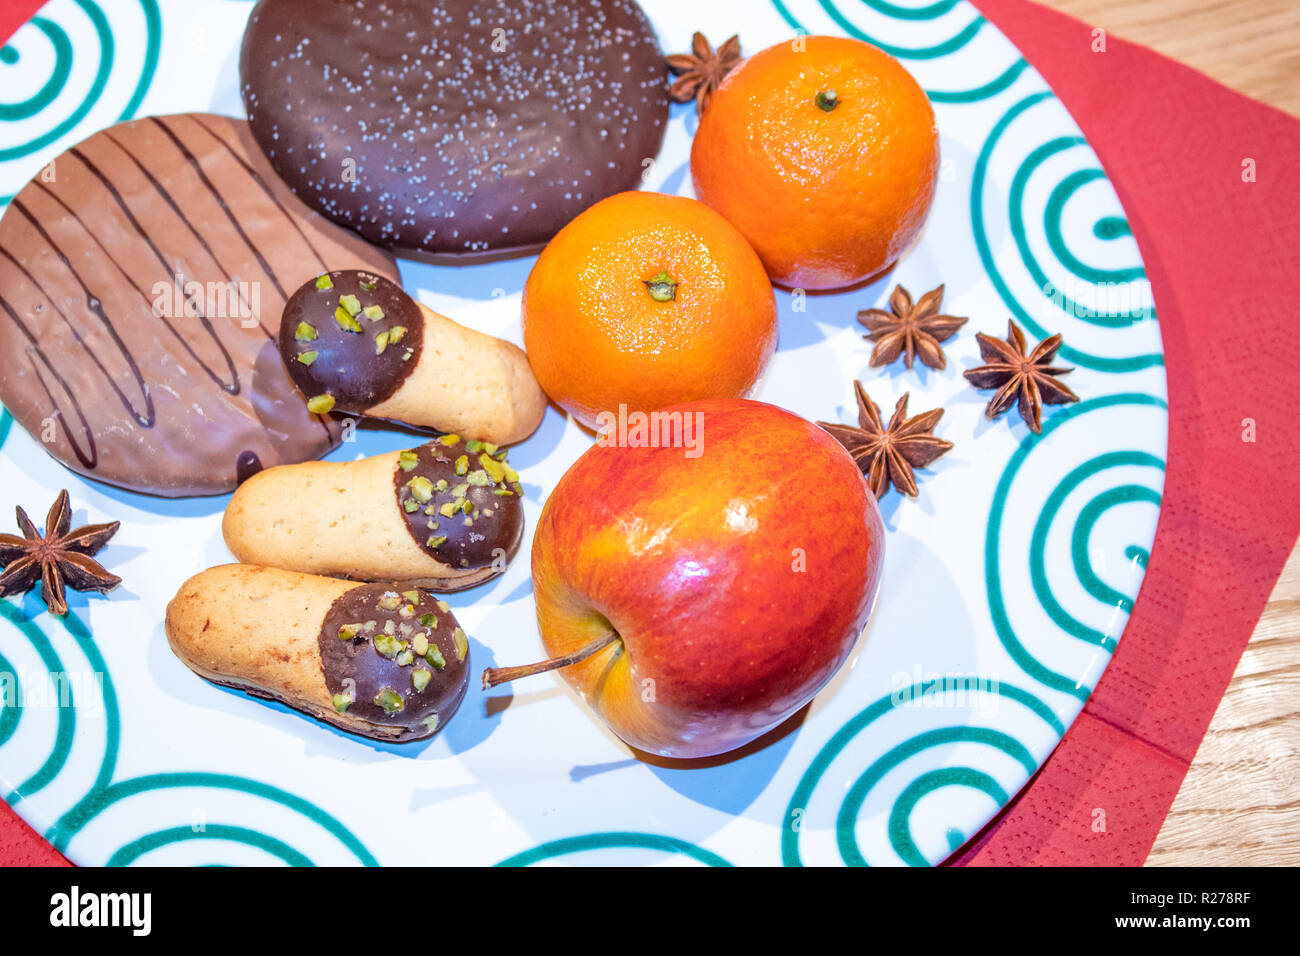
{"x": 888, "y": 453}
{"x": 1025, "y": 378}
{"x": 61, "y": 559}
{"x": 912, "y": 330}
{"x": 701, "y": 71}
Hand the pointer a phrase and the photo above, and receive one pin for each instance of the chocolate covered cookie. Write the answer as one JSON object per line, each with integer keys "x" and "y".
{"x": 142, "y": 277}
{"x": 355, "y": 342}
{"x": 373, "y": 659}
{"x": 459, "y": 127}
{"x": 447, "y": 516}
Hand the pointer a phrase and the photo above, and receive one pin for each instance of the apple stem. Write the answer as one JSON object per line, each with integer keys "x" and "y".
{"x": 499, "y": 675}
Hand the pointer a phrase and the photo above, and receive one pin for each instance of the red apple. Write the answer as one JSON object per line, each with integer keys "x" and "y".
{"x": 697, "y": 594}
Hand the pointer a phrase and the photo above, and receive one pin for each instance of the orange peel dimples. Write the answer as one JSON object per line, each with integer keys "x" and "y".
{"x": 823, "y": 152}
{"x": 643, "y": 301}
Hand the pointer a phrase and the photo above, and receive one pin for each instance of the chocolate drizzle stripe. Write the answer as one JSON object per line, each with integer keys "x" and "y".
{"x": 94, "y": 304}
{"x": 88, "y": 459}
{"x": 221, "y": 201}
{"x": 266, "y": 188}
{"x": 175, "y": 207}
{"x": 233, "y": 386}
{"x": 108, "y": 376}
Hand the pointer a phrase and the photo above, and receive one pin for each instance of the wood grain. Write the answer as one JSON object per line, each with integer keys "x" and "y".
{"x": 1252, "y": 46}
{"x": 1240, "y": 802}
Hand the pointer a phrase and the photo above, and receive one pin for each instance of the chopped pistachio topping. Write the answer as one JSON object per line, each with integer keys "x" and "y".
{"x": 473, "y": 446}
{"x": 461, "y": 490}
{"x": 467, "y": 507}
{"x": 434, "y": 657}
{"x": 324, "y": 282}
{"x": 341, "y": 701}
{"x": 431, "y": 723}
{"x": 490, "y": 448}
{"x": 408, "y": 460}
{"x": 390, "y": 700}
{"x": 436, "y": 541}
{"x": 381, "y": 343}
{"x": 345, "y": 320}
{"x": 367, "y": 284}
{"x": 408, "y": 610}
{"x": 504, "y": 493}
{"x": 462, "y": 643}
{"x": 405, "y": 658}
{"x": 305, "y": 332}
{"x": 428, "y": 620}
{"x": 420, "y": 644}
{"x": 396, "y": 334}
{"x": 320, "y": 404}
{"x": 422, "y": 488}
{"x": 462, "y": 464}
{"x": 444, "y": 607}
{"x": 411, "y": 506}
{"x": 447, "y": 509}
{"x": 348, "y": 631}
{"x": 373, "y": 312}
{"x": 420, "y": 679}
{"x": 388, "y": 646}
{"x": 494, "y": 468}
{"x": 450, "y": 439}
{"x": 443, "y": 484}
{"x": 479, "y": 477}
{"x": 389, "y": 602}
{"x": 306, "y": 358}
{"x": 412, "y": 596}
{"x": 351, "y": 303}
{"x": 512, "y": 476}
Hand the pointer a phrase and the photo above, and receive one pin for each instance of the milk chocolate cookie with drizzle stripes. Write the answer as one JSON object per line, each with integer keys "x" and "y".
{"x": 142, "y": 278}
{"x": 455, "y": 128}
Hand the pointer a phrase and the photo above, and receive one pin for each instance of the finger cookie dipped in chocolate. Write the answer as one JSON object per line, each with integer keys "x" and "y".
{"x": 446, "y": 516}
{"x": 378, "y": 660}
{"x": 355, "y": 342}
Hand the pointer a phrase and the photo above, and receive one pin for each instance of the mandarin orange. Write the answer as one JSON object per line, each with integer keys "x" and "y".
{"x": 823, "y": 152}
{"x": 646, "y": 300}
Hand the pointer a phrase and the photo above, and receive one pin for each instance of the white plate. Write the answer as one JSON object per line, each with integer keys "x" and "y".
{"x": 1010, "y": 577}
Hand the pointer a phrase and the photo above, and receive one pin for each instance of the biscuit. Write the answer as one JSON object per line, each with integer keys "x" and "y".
{"x": 355, "y": 342}
{"x": 455, "y": 130}
{"x": 370, "y": 659}
{"x": 446, "y": 516}
{"x": 141, "y": 292}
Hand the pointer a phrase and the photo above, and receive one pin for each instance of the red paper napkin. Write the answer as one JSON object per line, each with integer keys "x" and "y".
{"x": 1222, "y": 257}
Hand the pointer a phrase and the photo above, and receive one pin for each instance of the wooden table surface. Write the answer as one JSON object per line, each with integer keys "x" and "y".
{"x": 1240, "y": 802}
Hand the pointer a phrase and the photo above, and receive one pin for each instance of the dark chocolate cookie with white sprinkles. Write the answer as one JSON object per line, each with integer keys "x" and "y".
{"x": 455, "y": 128}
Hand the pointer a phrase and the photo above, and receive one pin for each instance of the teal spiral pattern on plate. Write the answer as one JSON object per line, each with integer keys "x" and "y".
{"x": 1046, "y": 306}
{"x": 900, "y": 836}
{"x": 105, "y": 792}
{"x": 591, "y": 842}
{"x": 837, "y": 17}
{"x": 1001, "y": 514}
{"x": 61, "y": 108}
